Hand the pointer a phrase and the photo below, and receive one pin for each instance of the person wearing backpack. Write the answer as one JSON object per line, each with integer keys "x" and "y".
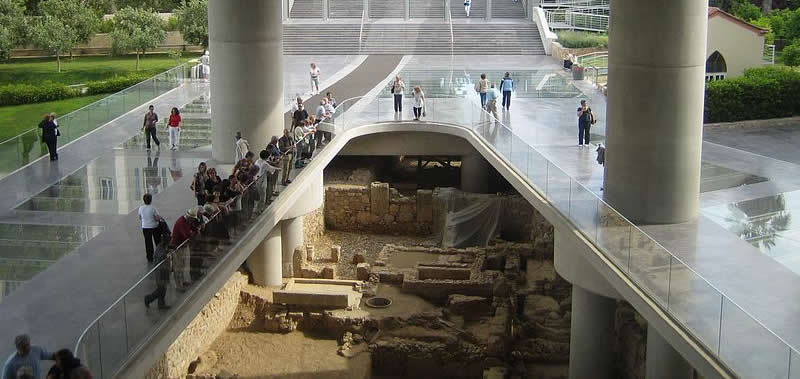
{"x": 398, "y": 86}
{"x": 585, "y": 120}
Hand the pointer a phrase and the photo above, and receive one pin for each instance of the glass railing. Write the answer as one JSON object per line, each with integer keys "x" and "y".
{"x": 125, "y": 326}
{"x": 18, "y": 151}
{"x": 726, "y": 330}
{"x": 743, "y": 343}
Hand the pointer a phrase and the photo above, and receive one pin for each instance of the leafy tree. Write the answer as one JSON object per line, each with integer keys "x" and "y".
{"x": 53, "y": 35}
{"x": 142, "y": 4}
{"x": 193, "y": 21}
{"x": 12, "y": 26}
{"x": 82, "y": 20}
{"x": 746, "y": 11}
{"x": 138, "y": 30}
{"x": 791, "y": 54}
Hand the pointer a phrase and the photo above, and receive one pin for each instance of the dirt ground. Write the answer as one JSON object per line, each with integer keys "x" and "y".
{"x": 293, "y": 355}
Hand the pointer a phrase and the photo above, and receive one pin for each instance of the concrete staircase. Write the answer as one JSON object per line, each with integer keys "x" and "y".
{"x": 345, "y": 8}
{"x": 409, "y": 38}
{"x": 507, "y": 9}
{"x": 195, "y": 127}
{"x": 427, "y": 9}
{"x": 478, "y": 9}
{"x": 307, "y": 9}
{"x": 386, "y": 9}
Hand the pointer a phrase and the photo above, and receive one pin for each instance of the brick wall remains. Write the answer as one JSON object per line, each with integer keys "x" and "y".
{"x": 212, "y": 320}
{"x": 377, "y": 209}
{"x": 314, "y": 225}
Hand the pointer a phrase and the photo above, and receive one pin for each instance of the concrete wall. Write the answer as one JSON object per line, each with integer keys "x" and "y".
{"x": 376, "y": 209}
{"x": 100, "y": 44}
{"x": 408, "y": 144}
{"x": 742, "y": 48}
{"x": 201, "y": 332}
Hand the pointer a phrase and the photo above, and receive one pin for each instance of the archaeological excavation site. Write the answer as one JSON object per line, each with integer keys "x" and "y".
{"x": 402, "y": 275}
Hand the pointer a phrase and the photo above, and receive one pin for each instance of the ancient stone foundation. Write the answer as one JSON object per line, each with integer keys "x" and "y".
{"x": 377, "y": 209}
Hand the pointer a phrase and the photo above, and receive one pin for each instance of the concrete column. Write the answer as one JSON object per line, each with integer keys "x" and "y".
{"x": 285, "y": 9}
{"x": 265, "y": 260}
{"x": 655, "y": 108}
{"x": 325, "y": 10}
{"x": 474, "y": 173}
{"x": 591, "y": 335}
{"x": 488, "y": 10}
{"x": 407, "y": 10}
{"x": 247, "y": 80}
{"x": 446, "y": 7}
{"x": 663, "y": 361}
{"x": 291, "y": 238}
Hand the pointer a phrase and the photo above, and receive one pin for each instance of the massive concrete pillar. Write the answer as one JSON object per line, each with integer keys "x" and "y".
{"x": 474, "y": 173}
{"x": 591, "y": 335}
{"x": 265, "y": 260}
{"x": 655, "y": 108}
{"x": 663, "y": 361}
{"x": 247, "y": 73}
{"x": 291, "y": 239}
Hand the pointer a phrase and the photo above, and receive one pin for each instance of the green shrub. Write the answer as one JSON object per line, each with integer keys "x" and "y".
{"x": 105, "y": 26}
{"x": 16, "y": 94}
{"x": 791, "y": 54}
{"x": 574, "y": 40}
{"x": 762, "y": 93}
{"x": 172, "y": 24}
{"x": 115, "y": 84}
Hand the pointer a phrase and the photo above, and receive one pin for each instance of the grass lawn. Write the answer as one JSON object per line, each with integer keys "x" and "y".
{"x": 17, "y": 119}
{"x": 82, "y": 69}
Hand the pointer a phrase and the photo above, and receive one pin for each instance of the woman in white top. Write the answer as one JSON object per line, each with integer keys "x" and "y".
{"x": 314, "y": 72}
{"x": 398, "y": 86}
{"x": 148, "y": 215}
{"x": 419, "y": 102}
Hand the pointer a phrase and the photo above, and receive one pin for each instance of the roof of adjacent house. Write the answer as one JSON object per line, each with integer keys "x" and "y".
{"x": 714, "y": 11}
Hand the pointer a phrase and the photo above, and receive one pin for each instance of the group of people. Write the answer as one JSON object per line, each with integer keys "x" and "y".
{"x": 489, "y": 93}
{"x": 306, "y": 135}
{"x": 24, "y": 363}
{"x": 397, "y": 87}
{"x": 149, "y": 127}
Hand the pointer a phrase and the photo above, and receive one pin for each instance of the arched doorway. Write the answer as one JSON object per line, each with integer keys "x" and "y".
{"x": 716, "y": 68}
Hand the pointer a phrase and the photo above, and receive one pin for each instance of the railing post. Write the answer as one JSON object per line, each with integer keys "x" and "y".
{"x": 366, "y": 9}
{"x": 406, "y": 10}
{"x": 447, "y": 10}
{"x": 488, "y": 10}
{"x": 325, "y": 10}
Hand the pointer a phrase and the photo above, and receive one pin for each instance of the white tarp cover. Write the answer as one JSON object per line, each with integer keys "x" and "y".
{"x": 469, "y": 219}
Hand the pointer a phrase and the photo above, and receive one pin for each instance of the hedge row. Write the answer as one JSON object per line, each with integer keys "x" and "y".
{"x": 762, "y": 93}
{"x": 17, "y": 94}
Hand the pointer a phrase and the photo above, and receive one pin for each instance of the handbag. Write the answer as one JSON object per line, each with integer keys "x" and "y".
{"x": 58, "y": 133}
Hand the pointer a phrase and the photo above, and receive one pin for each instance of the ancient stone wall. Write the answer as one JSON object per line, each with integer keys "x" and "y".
{"x": 314, "y": 225}
{"x": 201, "y": 332}
{"x": 517, "y": 219}
{"x": 631, "y": 344}
{"x": 377, "y": 209}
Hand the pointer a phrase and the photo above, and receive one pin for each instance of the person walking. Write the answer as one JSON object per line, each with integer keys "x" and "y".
{"x": 398, "y": 87}
{"x": 286, "y": 145}
{"x": 149, "y": 217}
{"x": 50, "y": 135}
{"x": 174, "y": 128}
{"x": 199, "y": 183}
{"x": 149, "y": 127}
{"x": 419, "y": 103}
{"x": 506, "y": 86}
{"x": 162, "y": 274}
{"x": 242, "y": 147}
{"x": 314, "y": 72}
{"x": 491, "y": 101}
{"x": 25, "y": 356}
{"x": 481, "y": 87}
{"x": 66, "y": 364}
{"x": 467, "y": 6}
{"x": 300, "y": 114}
{"x": 585, "y": 120}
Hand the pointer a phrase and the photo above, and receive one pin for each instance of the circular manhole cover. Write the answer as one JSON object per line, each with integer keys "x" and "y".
{"x": 379, "y": 302}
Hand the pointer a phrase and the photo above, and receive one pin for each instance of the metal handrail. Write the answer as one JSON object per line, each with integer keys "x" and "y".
{"x": 361, "y": 31}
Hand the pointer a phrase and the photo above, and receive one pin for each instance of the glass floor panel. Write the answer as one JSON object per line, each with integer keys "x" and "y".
{"x": 766, "y": 223}
{"x": 459, "y": 83}
{"x": 112, "y": 186}
{"x": 713, "y": 178}
{"x": 26, "y": 250}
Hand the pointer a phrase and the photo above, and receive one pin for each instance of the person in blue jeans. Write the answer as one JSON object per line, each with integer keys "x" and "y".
{"x": 506, "y": 86}
{"x": 585, "y": 120}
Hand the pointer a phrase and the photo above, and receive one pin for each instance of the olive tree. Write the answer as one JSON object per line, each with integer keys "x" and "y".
{"x": 12, "y": 26}
{"x": 138, "y": 30}
{"x": 52, "y": 35}
{"x": 80, "y": 19}
{"x": 193, "y": 21}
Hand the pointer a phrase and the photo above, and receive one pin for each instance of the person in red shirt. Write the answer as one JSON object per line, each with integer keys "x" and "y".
{"x": 174, "y": 128}
{"x": 186, "y": 226}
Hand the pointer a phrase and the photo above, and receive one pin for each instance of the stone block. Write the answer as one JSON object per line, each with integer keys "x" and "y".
{"x": 424, "y": 206}
{"x": 359, "y": 258}
{"x": 310, "y": 252}
{"x": 297, "y": 262}
{"x": 405, "y": 216}
{"x": 327, "y": 273}
{"x": 336, "y": 252}
{"x": 494, "y": 373}
{"x": 390, "y": 277}
{"x": 539, "y": 307}
{"x": 496, "y": 346}
{"x": 495, "y": 262}
{"x": 362, "y": 271}
{"x": 309, "y": 273}
{"x": 443, "y": 273}
{"x": 471, "y": 307}
{"x": 379, "y": 198}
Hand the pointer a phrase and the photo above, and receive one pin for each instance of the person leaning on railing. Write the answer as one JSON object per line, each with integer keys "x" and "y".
{"x": 185, "y": 228}
{"x": 287, "y": 145}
